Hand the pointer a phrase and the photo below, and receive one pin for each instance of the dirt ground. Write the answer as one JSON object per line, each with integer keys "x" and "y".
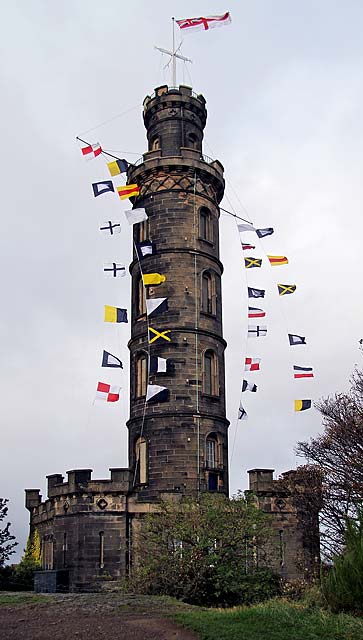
{"x": 88, "y": 617}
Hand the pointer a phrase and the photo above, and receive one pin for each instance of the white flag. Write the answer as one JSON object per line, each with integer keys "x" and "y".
{"x": 135, "y": 215}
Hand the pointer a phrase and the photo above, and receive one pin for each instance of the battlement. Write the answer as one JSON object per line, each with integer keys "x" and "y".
{"x": 79, "y": 481}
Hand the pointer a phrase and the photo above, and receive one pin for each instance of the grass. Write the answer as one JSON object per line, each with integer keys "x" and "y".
{"x": 274, "y": 620}
{"x": 9, "y": 599}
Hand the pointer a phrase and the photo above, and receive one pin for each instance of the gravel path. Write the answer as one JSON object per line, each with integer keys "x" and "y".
{"x": 89, "y": 617}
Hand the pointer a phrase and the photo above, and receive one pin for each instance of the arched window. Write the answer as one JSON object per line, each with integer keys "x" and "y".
{"x": 193, "y": 141}
{"x": 140, "y": 298}
{"x": 212, "y": 451}
{"x": 155, "y": 143}
{"x": 141, "y": 460}
{"x": 140, "y": 375}
{"x": 207, "y": 292}
{"x": 205, "y": 224}
{"x": 210, "y": 373}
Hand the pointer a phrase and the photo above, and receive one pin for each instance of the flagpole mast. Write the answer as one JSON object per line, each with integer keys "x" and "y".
{"x": 173, "y": 54}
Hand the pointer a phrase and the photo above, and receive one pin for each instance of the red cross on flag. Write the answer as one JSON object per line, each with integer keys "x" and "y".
{"x": 107, "y": 392}
{"x": 203, "y": 24}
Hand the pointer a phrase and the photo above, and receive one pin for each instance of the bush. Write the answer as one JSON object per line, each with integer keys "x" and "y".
{"x": 204, "y": 552}
{"x": 342, "y": 586}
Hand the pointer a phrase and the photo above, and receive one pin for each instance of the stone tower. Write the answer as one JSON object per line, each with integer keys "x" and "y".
{"x": 179, "y": 445}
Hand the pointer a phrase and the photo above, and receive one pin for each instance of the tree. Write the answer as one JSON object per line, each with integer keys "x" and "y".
{"x": 204, "y": 552}
{"x": 7, "y": 541}
{"x": 338, "y": 454}
{"x": 30, "y": 562}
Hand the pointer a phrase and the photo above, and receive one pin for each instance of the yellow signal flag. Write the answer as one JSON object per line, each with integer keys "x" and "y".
{"x": 302, "y": 405}
{"x": 128, "y": 190}
{"x": 153, "y": 278}
{"x": 277, "y": 260}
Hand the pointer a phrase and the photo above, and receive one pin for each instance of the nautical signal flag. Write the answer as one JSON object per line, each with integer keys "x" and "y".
{"x": 245, "y": 227}
{"x": 302, "y": 405}
{"x": 155, "y": 393}
{"x": 102, "y": 187}
{"x": 108, "y": 360}
{"x": 246, "y": 246}
{"x": 256, "y": 293}
{"x": 253, "y": 262}
{"x": 275, "y": 261}
{"x": 127, "y": 191}
{"x": 155, "y": 335}
{"x": 286, "y": 289}
{"x": 157, "y": 365}
{"x": 203, "y": 24}
{"x": 264, "y": 232}
{"x": 153, "y": 279}
{"x": 242, "y": 414}
{"x": 110, "y": 227}
{"x": 156, "y": 306}
{"x": 117, "y": 166}
{"x": 293, "y": 339}
{"x": 145, "y": 248}
{"x": 248, "y": 386}
{"x": 252, "y": 364}
{"x": 255, "y": 312}
{"x": 255, "y": 331}
{"x": 114, "y": 270}
{"x": 92, "y": 150}
{"x": 114, "y": 314}
{"x": 107, "y": 392}
{"x": 134, "y": 216}
{"x": 303, "y": 372}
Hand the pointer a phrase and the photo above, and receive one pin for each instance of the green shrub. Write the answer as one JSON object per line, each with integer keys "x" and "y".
{"x": 342, "y": 586}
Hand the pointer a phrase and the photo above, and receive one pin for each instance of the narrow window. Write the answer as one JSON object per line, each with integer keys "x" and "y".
{"x": 281, "y": 547}
{"x": 140, "y": 454}
{"x": 65, "y": 549}
{"x": 210, "y": 374}
{"x": 141, "y": 375}
{"x": 205, "y": 224}
{"x": 140, "y": 298}
{"x": 213, "y": 481}
{"x": 142, "y": 231}
{"x": 192, "y": 141}
{"x": 102, "y": 550}
{"x": 211, "y": 452}
{"x": 207, "y": 292}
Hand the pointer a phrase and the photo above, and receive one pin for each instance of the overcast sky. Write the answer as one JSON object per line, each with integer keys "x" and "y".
{"x": 283, "y": 85}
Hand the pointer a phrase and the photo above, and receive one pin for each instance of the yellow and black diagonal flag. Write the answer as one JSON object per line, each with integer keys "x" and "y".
{"x": 302, "y": 405}
{"x": 155, "y": 335}
{"x": 252, "y": 262}
{"x": 285, "y": 289}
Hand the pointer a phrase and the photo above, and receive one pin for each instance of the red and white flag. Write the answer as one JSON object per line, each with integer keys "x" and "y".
{"x": 203, "y": 24}
{"x": 255, "y": 312}
{"x": 107, "y": 392}
{"x": 252, "y": 364}
{"x": 92, "y": 150}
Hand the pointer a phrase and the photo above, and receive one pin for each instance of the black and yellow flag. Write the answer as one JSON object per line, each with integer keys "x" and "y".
{"x": 302, "y": 405}
{"x": 285, "y": 289}
{"x": 252, "y": 262}
{"x": 155, "y": 335}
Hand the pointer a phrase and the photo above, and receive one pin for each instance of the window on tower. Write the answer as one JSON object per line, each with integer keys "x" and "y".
{"x": 155, "y": 143}
{"x": 208, "y": 291}
{"x": 140, "y": 298}
{"x": 141, "y": 460}
{"x": 210, "y": 373}
{"x": 140, "y": 375}
{"x": 205, "y": 225}
{"x": 142, "y": 231}
{"x": 212, "y": 451}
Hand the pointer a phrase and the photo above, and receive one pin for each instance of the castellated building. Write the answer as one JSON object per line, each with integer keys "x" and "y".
{"x": 178, "y": 447}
